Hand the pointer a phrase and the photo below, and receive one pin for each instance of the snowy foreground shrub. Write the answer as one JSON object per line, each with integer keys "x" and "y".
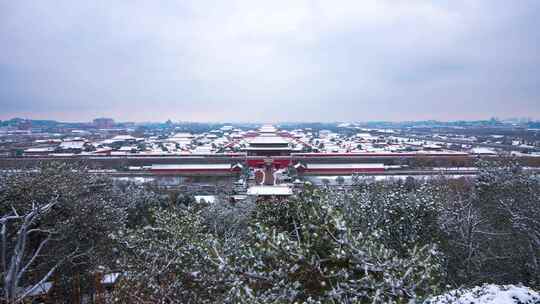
{"x": 165, "y": 262}
{"x": 304, "y": 251}
{"x": 488, "y": 294}
{"x": 308, "y": 251}
{"x": 54, "y": 224}
{"x": 391, "y": 242}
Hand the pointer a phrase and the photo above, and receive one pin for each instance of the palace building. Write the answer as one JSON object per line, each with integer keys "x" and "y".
{"x": 268, "y": 143}
{"x": 268, "y": 146}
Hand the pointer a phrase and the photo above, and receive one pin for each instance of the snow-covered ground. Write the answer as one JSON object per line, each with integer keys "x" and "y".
{"x": 488, "y": 294}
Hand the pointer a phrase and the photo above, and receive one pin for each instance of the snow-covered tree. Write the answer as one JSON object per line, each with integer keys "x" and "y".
{"x": 375, "y": 242}
{"x": 18, "y": 257}
{"x": 165, "y": 261}
{"x": 56, "y": 219}
{"x": 400, "y": 215}
{"x": 490, "y": 226}
{"x": 508, "y": 198}
{"x": 307, "y": 250}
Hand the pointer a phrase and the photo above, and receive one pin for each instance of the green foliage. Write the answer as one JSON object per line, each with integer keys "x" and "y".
{"x": 85, "y": 205}
{"x": 163, "y": 262}
{"x": 308, "y": 250}
{"x": 490, "y": 226}
{"x": 379, "y": 242}
{"x": 399, "y": 215}
{"x": 85, "y": 210}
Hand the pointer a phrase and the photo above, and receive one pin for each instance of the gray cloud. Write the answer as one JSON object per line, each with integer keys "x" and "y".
{"x": 270, "y": 60}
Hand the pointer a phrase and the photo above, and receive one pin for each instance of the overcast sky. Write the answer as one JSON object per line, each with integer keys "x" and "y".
{"x": 270, "y": 61}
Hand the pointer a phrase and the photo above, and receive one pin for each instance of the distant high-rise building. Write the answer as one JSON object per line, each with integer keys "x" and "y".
{"x": 103, "y": 123}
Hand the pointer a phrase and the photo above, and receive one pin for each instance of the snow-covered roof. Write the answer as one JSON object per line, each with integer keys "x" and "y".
{"x": 432, "y": 146}
{"x": 61, "y": 154}
{"x": 269, "y": 140}
{"x": 365, "y": 136}
{"x": 345, "y": 166}
{"x": 269, "y": 190}
{"x": 102, "y": 150}
{"x": 72, "y": 144}
{"x": 122, "y": 138}
{"x": 119, "y": 153}
{"x": 192, "y": 167}
{"x": 127, "y": 148}
{"x": 203, "y": 149}
{"x": 207, "y": 198}
{"x": 267, "y": 129}
{"x": 37, "y": 150}
{"x": 481, "y": 150}
{"x": 182, "y": 135}
{"x": 267, "y": 148}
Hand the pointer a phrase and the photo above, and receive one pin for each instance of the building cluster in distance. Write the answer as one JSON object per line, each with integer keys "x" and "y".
{"x": 265, "y": 159}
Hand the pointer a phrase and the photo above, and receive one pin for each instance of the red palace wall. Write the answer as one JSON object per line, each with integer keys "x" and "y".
{"x": 341, "y": 171}
{"x": 193, "y": 171}
{"x": 259, "y": 162}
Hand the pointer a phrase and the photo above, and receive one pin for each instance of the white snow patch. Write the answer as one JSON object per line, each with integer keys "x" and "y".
{"x": 210, "y": 199}
{"x": 488, "y": 294}
{"x": 110, "y": 278}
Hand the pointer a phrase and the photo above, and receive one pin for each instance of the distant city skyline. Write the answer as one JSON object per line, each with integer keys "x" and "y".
{"x": 233, "y": 122}
{"x": 276, "y": 61}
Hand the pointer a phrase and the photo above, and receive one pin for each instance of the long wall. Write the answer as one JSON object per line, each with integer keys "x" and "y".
{"x": 115, "y": 162}
{"x": 123, "y": 162}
